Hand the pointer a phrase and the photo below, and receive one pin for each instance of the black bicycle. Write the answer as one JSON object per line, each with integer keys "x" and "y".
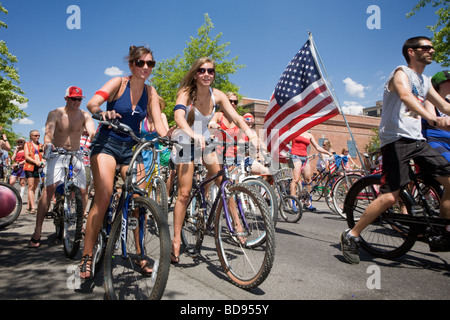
{"x": 139, "y": 237}
{"x": 414, "y": 217}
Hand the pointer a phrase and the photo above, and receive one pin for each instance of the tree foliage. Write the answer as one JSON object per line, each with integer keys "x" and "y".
{"x": 169, "y": 72}
{"x": 11, "y": 95}
{"x": 441, "y": 30}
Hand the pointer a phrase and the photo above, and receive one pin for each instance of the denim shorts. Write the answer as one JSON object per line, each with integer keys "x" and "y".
{"x": 122, "y": 151}
{"x": 298, "y": 158}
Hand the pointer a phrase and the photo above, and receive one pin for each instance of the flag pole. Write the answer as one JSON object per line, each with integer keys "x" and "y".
{"x": 336, "y": 100}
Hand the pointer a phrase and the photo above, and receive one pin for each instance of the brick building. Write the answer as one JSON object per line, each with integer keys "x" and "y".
{"x": 334, "y": 129}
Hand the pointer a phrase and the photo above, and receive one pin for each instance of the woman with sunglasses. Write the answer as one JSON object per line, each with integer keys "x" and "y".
{"x": 195, "y": 106}
{"x": 128, "y": 99}
{"x": 18, "y": 158}
{"x": 33, "y": 162}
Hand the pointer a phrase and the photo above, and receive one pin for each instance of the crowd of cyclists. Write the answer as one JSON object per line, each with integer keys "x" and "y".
{"x": 199, "y": 109}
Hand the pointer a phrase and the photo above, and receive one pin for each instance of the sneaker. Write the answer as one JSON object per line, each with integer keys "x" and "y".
{"x": 311, "y": 208}
{"x": 350, "y": 247}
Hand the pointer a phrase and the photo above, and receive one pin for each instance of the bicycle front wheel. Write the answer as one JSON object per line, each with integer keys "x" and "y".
{"x": 268, "y": 194}
{"x": 238, "y": 232}
{"x": 339, "y": 192}
{"x": 158, "y": 192}
{"x": 73, "y": 221}
{"x": 386, "y": 237}
{"x": 11, "y": 204}
{"x": 135, "y": 246}
{"x": 291, "y": 209}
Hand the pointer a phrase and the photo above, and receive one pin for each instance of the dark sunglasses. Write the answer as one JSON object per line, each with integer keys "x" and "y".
{"x": 234, "y": 101}
{"x": 211, "y": 71}
{"x": 141, "y": 63}
{"x": 424, "y": 48}
{"x": 75, "y": 99}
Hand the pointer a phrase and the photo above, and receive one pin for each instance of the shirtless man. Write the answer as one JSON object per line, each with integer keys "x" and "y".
{"x": 63, "y": 129}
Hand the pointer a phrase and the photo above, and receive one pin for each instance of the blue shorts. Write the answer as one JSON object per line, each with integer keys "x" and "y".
{"x": 122, "y": 151}
{"x": 296, "y": 158}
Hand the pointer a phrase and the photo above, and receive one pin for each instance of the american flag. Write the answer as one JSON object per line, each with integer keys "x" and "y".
{"x": 301, "y": 100}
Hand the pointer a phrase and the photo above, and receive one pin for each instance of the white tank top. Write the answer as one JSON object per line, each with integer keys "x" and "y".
{"x": 200, "y": 125}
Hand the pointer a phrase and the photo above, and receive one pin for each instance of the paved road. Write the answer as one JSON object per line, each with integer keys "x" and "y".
{"x": 308, "y": 265}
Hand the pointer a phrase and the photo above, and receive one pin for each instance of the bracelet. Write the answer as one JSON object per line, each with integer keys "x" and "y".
{"x": 253, "y": 138}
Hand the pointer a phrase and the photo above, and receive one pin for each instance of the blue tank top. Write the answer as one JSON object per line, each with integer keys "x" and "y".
{"x": 130, "y": 117}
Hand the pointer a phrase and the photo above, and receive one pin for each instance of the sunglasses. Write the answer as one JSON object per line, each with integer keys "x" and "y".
{"x": 234, "y": 101}
{"x": 424, "y": 48}
{"x": 75, "y": 99}
{"x": 141, "y": 63}
{"x": 211, "y": 71}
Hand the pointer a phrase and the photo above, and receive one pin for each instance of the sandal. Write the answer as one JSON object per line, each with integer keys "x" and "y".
{"x": 145, "y": 268}
{"x": 33, "y": 211}
{"x": 177, "y": 258}
{"x": 34, "y": 243}
{"x": 85, "y": 267}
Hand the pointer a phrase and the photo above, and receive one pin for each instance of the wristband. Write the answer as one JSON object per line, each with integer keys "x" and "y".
{"x": 252, "y": 138}
{"x": 103, "y": 94}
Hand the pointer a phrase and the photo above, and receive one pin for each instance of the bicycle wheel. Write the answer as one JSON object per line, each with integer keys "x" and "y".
{"x": 291, "y": 209}
{"x": 147, "y": 241}
{"x": 246, "y": 264}
{"x": 11, "y": 204}
{"x": 58, "y": 214}
{"x": 192, "y": 231}
{"x": 386, "y": 237}
{"x": 73, "y": 221}
{"x": 158, "y": 192}
{"x": 317, "y": 191}
{"x": 339, "y": 192}
{"x": 267, "y": 192}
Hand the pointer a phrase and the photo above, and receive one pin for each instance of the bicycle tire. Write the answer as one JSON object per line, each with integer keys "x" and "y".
{"x": 268, "y": 194}
{"x": 124, "y": 279}
{"x": 291, "y": 209}
{"x": 192, "y": 232}
{"x": 58, "y": 214}
{"x": 15, "y": 212}
{"x": 73, "y": 221}
{"x": 317, "y": 191}
{"x": 339, "y": 192}
{"x": 158, "y": 192}
{"x": 384, "y": 237}
{"x": 233, "y": 254}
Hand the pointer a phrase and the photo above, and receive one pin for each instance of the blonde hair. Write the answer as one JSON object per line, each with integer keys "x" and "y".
{"x": 189, "y": 85}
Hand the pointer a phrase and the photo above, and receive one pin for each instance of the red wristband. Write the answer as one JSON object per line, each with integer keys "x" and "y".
{"x": 103, "y": 94}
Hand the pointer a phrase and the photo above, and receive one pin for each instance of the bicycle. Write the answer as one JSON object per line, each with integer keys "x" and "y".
{"x": 342, "y": 185}
{"x": 243, "y": 229}
{"x": 290, "y": 207}
{"x": 156, "y": 187}
{"x": 414, "y": 217}
{"x": 68, "y": 208}
{"x": 139, "y": 234}
{"x": 11, "y": 204}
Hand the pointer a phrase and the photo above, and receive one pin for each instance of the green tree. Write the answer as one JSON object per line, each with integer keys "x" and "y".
{"x": 441, "y": 30}
{"x": 11, "y": 95}
{"x": 169, "y": 72}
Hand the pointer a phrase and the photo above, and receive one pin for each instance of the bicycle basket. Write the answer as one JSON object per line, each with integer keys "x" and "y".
{"x": 283, "y": 174}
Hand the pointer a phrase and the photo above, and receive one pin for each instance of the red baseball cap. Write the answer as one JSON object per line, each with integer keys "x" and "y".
{"x": 249, "y": 115}
{"x": 74, "y": 92}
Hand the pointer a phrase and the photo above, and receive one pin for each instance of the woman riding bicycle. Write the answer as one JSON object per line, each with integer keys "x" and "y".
{"x": 195, "y": 107}
{"x": 129, "y": 99}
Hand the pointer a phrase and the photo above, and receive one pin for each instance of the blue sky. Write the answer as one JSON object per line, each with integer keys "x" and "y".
{"x": 265, "y": 35}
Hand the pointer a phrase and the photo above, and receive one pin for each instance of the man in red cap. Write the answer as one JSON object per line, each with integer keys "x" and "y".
{"x": 63, "y": 129}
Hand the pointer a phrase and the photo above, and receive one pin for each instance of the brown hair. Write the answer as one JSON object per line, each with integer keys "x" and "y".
{"x": 136, "y": 52}
{"x": 189, "y": 85}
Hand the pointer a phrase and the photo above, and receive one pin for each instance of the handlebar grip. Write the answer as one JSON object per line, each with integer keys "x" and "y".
{"x": 97, "y": 116}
